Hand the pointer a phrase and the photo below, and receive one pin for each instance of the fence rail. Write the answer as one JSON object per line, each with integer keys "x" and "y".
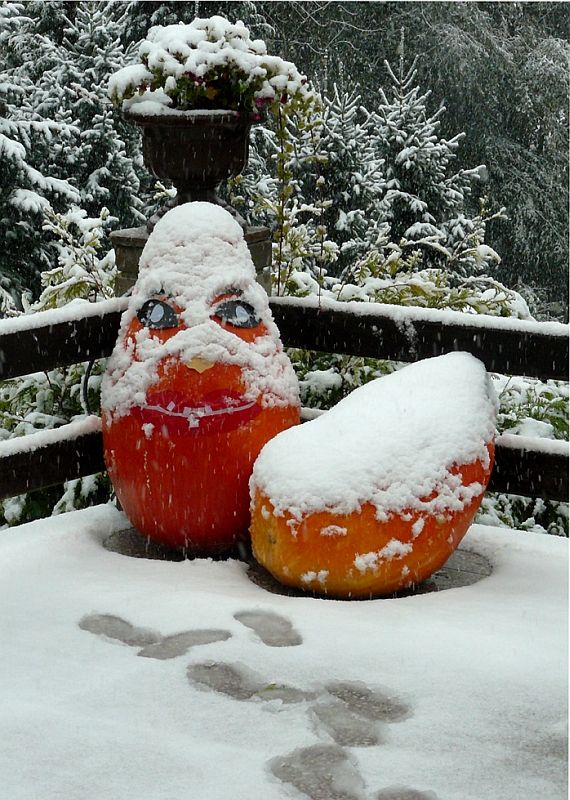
{"x": 363, "y": 329}
{"x": 533, "y": 349}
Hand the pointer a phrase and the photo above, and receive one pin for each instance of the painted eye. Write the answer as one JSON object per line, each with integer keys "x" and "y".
{"x": 238, "y": 314}
{"x": 157, "y": 314}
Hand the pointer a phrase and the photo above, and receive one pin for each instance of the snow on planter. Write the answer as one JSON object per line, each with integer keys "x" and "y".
{"x": 207, "y": 64}
{"x": 375, "y": 495}
{"x": 197, "y": 383}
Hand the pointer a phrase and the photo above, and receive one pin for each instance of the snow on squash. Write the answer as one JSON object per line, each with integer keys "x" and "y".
{"x": 376, "y": 494}
{"x": 198, "y": 382}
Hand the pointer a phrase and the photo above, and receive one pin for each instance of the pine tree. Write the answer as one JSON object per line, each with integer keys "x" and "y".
{"x": 74, "y": 92}
{"x": 347, "y": 173}
{"x": 29, "y": 188}
{"x": 63, "y": 142}
{"x": 424, "y": 201}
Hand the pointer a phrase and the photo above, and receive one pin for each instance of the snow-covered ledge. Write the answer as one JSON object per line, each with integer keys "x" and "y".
{"x": 404, "y": 314}
{"x": 76, "y": 310}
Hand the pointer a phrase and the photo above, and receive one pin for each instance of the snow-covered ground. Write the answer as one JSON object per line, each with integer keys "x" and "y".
{"x": 457, "y": 695}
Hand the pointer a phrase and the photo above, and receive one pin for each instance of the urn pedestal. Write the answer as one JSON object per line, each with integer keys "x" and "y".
{"x": 129, "y": 243}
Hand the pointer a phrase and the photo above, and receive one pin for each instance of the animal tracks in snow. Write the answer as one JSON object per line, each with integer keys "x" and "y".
{"x": 346, "y": 714}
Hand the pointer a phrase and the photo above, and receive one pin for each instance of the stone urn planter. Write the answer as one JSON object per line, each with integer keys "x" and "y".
{"x": 194, "y": 150}
{"x": 195, "y": 91}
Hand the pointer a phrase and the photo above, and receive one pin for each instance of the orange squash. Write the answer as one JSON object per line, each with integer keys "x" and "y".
{"x": 187, "y": 404}
{"x": 376, "y": 494}
{"x": 356, "y": 555}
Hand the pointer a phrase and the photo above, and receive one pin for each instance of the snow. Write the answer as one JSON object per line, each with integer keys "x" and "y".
{"x": 321, "y": 380}
{"x": 35, "y": 441}
{"x": 195, "y": 52}
{"x": 394, "y": 549}
{"x": 390, "y": 442}
{"x": 333, "y": 530}
{"x": 120, "y": 677}
{"x": 152, "y": 104}
{"x": 543, "y": 445}
{"x": 534, "y": 428}
{"x": 410, "y": 314}
{"x": 195, "y": 255}
{"x": 28, "y": 200}
{"x": 76, "y": 309}
{"x": 11, "y": 149}
{"x": 514, "y": 441}
{"x": 133, "y": 74}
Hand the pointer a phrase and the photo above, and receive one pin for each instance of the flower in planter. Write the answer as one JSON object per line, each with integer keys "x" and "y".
{"x": 208, "y": 64}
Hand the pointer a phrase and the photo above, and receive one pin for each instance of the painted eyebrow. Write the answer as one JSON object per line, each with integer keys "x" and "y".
{"x": 231, "y": 290}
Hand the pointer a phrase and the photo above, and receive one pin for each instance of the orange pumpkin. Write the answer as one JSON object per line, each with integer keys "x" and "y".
{"x": 356, "y": 555}
{"x": 376, "y": 494}
{"x": 187, "y": 404}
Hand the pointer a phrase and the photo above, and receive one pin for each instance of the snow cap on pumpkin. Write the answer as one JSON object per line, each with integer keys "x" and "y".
{"x": 393, "y": 443}
{"x": 196, "y": 252}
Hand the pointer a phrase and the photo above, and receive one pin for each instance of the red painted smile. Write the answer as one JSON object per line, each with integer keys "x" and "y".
{"x": 217, "y": 412}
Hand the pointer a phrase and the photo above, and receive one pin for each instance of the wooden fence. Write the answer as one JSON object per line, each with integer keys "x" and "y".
{"x": 531, "y": 467}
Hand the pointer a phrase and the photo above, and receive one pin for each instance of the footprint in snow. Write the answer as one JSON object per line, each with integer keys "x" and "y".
{"x": 179, "y": 643}
{"x": 343, "y": 726}
{"x": 377, "y": 704}
{"x": 321, "y": 772}
{"x": 152, "y": 643}
{"x": 349, "y": 713}
{"x": 273, "y": 629}
{"x": 110, "y": 627}
{"x": 241, "y": 683}
{"x": 329, "y": 772}
{"x": 403, "y": 793}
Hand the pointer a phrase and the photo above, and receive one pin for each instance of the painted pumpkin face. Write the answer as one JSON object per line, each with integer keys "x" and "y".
{"x": 197, "y": 384}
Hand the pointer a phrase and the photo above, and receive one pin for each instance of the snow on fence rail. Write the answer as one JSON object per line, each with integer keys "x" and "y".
{"x": 399, "y": 333}
{"x": 48, "y": 458}
{"x": 85, "y": 331}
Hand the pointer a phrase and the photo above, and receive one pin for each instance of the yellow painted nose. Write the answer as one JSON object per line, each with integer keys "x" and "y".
{"x": 199, "y": 364}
